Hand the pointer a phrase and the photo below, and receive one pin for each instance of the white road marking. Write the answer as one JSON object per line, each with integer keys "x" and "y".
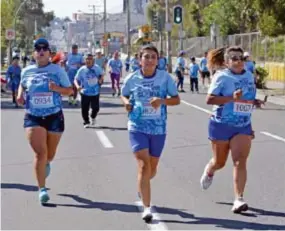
{"x": 156, "y": 224}
{"x": 196, "y": 107}
{"x": 104, "y": 139}
{"x": 273, "y": 136}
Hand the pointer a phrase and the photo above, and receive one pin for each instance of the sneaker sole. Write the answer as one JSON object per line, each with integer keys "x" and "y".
{"x": 148, "y": 218}
{"x": 242, "y": 208}
{"x": 44, "y": 199}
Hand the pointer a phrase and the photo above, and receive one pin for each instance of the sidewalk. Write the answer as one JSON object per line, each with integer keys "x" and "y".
{"x": 275, "y": 92}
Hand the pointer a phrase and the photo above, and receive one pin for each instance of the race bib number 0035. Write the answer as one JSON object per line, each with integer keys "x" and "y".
{"x": 42, "y": 100}
{"x": 243, "y": 107}
{"x": 151, "y": 113}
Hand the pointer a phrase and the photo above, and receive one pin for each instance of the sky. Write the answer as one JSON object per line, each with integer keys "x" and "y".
{"x": 63, "y": 8}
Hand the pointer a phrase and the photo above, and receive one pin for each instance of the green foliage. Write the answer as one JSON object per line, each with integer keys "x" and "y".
{"x": 261, "y": 77}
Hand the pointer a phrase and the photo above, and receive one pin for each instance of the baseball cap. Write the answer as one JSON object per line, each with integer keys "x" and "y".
{"x": 41, "y": 42}
{"x": 246, "y": 54}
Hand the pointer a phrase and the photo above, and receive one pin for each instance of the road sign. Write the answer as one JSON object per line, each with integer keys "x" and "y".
{"x": 10, "y": 34}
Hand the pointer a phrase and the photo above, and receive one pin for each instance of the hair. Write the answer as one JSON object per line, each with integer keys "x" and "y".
{"x": 231, "y": 49}
{"x": 149, "y": 47}
{"x": 216, "y": 57}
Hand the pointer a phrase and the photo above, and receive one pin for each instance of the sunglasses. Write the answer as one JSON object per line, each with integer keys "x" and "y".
{"x": 44, "y": 48}
{"x": 237, "y": 58}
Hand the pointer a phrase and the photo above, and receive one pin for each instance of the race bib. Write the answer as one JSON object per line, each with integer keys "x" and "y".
{"x": 92, "y": 82}
{"x": 42, "y": 100}
{"x": 151, "y": 113}
{"x": 243, "y": 107}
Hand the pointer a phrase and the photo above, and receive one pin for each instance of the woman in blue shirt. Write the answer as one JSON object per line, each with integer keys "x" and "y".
{"x": 232, "y": 92}
{"x": 43, "y": 84}
{"x": 149, "y": 88}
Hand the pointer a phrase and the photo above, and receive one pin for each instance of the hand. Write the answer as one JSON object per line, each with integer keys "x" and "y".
{"x": 20, "y": 99}
{"x": 52, "y": 86}
{"x": 100, "y": 81}
{"x": 155, "y": 102}
{"x": 252, "y": 135}
{"x": 258, "y": 103}
{"x": 79, "y": 88}
{"x": 128, "y": 107}
{"x": 237, "y": 94}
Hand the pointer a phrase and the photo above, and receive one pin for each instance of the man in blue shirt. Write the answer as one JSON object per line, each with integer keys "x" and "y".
{"x": 87, "y": 81}
{"x": 205, "y": 73}
{"x": 14, "y": 77}
{"x": 193, "y": 73}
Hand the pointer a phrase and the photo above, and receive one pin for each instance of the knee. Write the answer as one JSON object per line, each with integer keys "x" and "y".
{"x": 41, "y": 156}
{"x": 153, "y": 173}
{"x": 240, "y": 163}
{"x": 145, "y": 169}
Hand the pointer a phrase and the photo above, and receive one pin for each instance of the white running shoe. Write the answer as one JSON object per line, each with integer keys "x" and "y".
{"x": 206, "y": 180}
{"x": 93, "y": 122}
{"x": 239, "y": 205}
{"x": 147, "y": 215}
{"x": 86, "y": 125}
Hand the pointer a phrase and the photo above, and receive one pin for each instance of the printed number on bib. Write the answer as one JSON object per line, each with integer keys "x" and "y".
{"x": 42, "y": 100}
{"x": 244, "y": 108}
{"x": 150, "y": 113}
{"x": 92, "y": 81}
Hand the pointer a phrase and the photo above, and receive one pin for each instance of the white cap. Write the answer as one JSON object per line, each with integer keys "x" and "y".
{"x": 246, "y": 54}
{"x": 98, "y": 51}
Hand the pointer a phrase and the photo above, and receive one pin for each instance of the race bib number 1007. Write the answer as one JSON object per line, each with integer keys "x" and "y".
{"x": 243, "y": 107}
{"x": 42, "y": 100}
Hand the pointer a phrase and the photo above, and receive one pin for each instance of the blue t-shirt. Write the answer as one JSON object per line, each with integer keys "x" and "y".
{"x": 249, "y": 66}
{"x": 203, "y": 65}
{"x": 14, "y": 74}
{"x": 180, "y": 62}
{"x": 135, "y": 64}
{"x": 237, "y": 113}
{"x": 73, "y": 64}
{"x": 40, "y": 100}
{"x": 88, "y": 79}
{"x": 141, "y": 89}
{"x": 162, "y": 62}
{"x": 116, "y": 65}
{"x": 193, "y": 70}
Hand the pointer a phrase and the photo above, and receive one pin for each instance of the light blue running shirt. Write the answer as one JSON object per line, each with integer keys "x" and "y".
{"x": 135, "y": 64}
{"x": 162, "y": 62}
{"x": 73, "y": 60}
{"x": 180, "y": 61}
{"x": 203, "y": 65}
{"x": 249, "y": 66}
{"x": 40, "y": 101}
{"x": 116, "y": 65}
{"x": 193, "y": 70}
{"x": 141, "y": 89}
{"x": 88, "y": 79}
{"x": 238, "y": 113}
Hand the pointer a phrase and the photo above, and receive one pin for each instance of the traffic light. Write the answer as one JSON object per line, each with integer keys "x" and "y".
{"x": 109, "y": 37}
{"x": 97, "y": 43}
{"x": 177, "y": 14}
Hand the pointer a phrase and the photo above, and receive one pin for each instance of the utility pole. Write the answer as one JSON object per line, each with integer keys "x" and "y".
{"x": 128, "y": 26}
{"x": 168, "y": 39}
{"x": 93, "y": 14}
{"x": 105, "y": 19}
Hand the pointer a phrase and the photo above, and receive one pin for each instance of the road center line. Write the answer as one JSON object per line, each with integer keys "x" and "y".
{"x": 196, "y": 107}
{"x": 156, "y": 224}
{"x": 273, "y": 136}
{"x": 104, "y": 139}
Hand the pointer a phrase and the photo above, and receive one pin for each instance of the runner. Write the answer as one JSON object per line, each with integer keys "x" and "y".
{"x": 43, "y": 84}
{"x": 87, "y": 82}
{"x": 162, "y": 62}
{"x": 115, "y": 70}
{"x": 205, "y": 74}
{"x": 232, "y": 93}
{"x": 135, "y": 63}
{"x": 193, "y": 73}
{"x": 147, "y": 132}
{"x": 14, "y": 77}
{"x": 74, "y": 62}
{"x": 100, "y": 60}
{"x": 179, "y": 70}
{"x": 127, "y": 62}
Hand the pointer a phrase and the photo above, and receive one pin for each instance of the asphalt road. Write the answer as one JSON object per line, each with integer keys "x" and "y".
{"x": 93, "y": 179}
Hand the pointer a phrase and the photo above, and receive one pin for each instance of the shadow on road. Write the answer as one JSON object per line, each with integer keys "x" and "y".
{"x": 25, "y": 187}
{"x": 110, "y": 128}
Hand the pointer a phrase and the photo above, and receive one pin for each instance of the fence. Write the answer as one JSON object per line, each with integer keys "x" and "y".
{"x": 265, "y": 51}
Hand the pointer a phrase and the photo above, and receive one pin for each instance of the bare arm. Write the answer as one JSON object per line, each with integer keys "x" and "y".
{"x": 218, "y": 100}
